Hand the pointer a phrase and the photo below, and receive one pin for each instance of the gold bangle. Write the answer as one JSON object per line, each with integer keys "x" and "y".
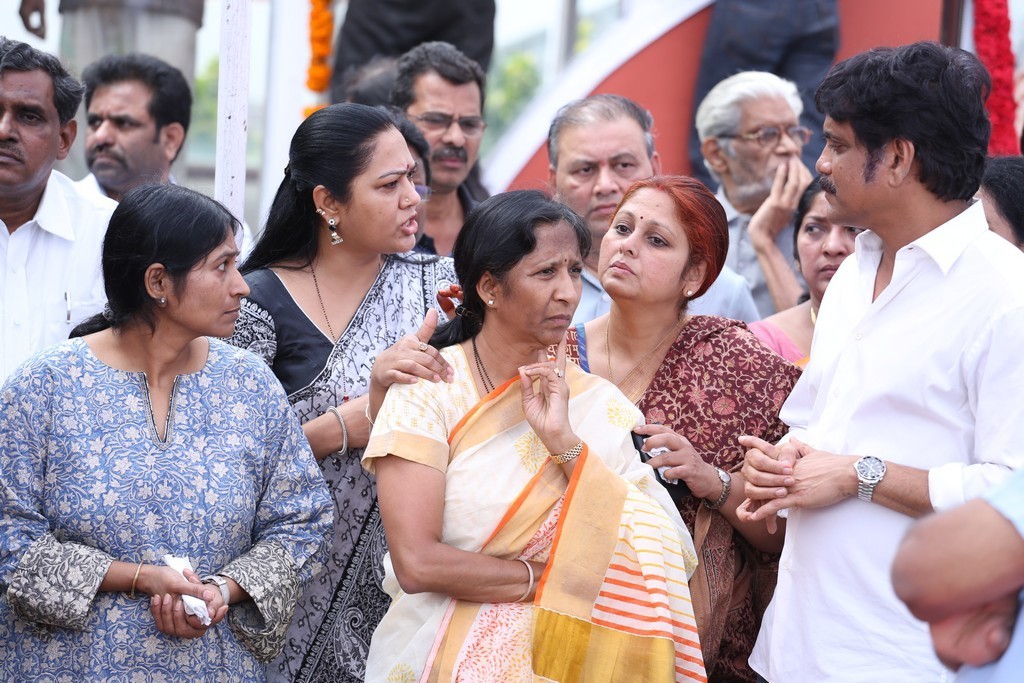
{"x": 569, "y": 455}
{"x": 135, "y": 580}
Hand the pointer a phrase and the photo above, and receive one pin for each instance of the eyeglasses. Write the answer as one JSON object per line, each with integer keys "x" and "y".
{"x": 424, "y": 192}
{"x": 769, "y": 136}
{"x": 437, "y": 122}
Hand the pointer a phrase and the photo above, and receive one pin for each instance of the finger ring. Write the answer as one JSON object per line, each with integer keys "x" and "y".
{"x": 423, "y": 346}
{"x": 559, "y": 373}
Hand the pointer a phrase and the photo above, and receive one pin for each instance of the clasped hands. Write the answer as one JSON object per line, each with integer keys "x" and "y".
{"x": 791, "y": 475}
{"x": 165, "y": 586}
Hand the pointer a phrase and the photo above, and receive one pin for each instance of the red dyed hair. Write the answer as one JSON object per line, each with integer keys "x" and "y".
{"x": 702, "y": 218}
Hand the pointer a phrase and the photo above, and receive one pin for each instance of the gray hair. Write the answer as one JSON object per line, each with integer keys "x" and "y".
{"x": 719, "y": 111}
{"x": 599, "y": 108}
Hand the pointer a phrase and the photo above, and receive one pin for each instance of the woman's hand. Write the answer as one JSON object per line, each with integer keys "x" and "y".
{"x": 411, "y": 359}
{"x": 166, "y": 586}
{"x": 682, "y": 459}
{"x": 547, "y": 410}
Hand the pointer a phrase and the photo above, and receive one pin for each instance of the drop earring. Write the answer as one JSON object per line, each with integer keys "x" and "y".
{"x": 332, "y": 225}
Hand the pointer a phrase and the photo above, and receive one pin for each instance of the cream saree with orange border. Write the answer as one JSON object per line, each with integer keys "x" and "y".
{"x": 613, "y": 602}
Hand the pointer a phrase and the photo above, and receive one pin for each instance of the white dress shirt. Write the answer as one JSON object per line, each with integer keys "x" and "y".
{"x": 728, "y": 297}
{"x": 929, "y": 376}
{"x": 50, "y": 278}
{"x": 743, "y": 259}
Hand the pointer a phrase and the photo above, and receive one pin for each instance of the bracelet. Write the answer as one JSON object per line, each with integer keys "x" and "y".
{"x": 367, "y": 411}
{"x": 344, "y": 430}
{"x": 529, "y": 589}
{"x": 135, "y": 580}
{"x": 726, "y": 480}
{"x": 569, "y": 455}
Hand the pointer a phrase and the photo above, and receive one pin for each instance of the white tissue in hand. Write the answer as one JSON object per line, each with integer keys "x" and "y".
{"x": 193, "y": 605}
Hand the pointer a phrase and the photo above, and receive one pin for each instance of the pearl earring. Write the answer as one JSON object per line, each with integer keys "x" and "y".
{"x": 689, "y": 293}
{"x": 490, "y": 302}
{"x": 162, "y": 301}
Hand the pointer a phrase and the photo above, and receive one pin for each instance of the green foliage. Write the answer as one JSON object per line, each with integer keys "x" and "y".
{"x": 513, "y": 81}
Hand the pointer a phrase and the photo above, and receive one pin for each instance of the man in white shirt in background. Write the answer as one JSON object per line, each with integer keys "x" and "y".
{"x": 51, "y": 233}
{"x": 911, "y": 400}
{"x": 751, "y": 140}
{"x": 598, "y": 146}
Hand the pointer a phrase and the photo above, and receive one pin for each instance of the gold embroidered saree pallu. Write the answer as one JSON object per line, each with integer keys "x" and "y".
{"x": 613, "y": 602}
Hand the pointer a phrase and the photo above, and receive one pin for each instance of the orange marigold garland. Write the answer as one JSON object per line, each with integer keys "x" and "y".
{"x": 992, "y": 44}
{"x": 321, "y": 35}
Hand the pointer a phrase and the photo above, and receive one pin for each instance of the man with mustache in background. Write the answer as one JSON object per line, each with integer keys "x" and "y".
{"x": 138, "y": 109}
{"x": 51, "y": 232}
{"x": 442, "y": 92}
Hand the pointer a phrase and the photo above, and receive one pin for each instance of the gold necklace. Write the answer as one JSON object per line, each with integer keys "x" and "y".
{"x": 608, "y": 349}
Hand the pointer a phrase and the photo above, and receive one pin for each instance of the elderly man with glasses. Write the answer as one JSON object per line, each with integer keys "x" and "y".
{"x": 751, "y": 140}
{"x": 441, "y": 90}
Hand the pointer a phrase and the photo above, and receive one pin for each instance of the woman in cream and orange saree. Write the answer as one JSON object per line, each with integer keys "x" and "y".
{"x": 527, "y": 540}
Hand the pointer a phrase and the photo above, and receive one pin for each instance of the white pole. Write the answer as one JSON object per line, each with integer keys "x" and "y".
{"x": 233, "y": 106}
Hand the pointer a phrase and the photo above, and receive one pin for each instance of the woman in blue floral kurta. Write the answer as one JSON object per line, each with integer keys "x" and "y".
{"x": 95, "y": 488}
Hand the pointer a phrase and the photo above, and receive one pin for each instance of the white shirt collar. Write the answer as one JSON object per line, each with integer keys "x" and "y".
{"x": 52, "y": 214}
{"x": 943, "y": 245}
{"x": 731, "y": 212}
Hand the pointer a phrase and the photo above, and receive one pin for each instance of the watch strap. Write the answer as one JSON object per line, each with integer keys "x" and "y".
{"x": 221, "y": 583}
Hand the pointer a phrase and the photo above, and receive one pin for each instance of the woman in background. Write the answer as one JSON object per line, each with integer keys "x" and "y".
{"x": 145, "y": 438}
{"x": 701, "y": 382}
{"x": 820, "y": 247}
{"x": 332, "y": 288}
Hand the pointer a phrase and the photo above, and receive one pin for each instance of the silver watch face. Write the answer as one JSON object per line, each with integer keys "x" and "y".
{"x": 870, "y": 469}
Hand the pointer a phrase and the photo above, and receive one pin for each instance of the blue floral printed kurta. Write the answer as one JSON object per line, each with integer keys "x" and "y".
{"x": 85, "y": 479}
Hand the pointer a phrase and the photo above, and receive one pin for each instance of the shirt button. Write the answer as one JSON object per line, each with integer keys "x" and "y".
{"x": 17, "y": 322}
{"x": 15, "y": 269}
{"x": 858, "y": 336}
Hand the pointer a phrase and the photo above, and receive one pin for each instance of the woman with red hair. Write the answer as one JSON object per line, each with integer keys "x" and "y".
{"x": 701, "y": 382}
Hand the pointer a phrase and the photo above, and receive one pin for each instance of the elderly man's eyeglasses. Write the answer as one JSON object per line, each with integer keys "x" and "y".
{"x": 769, "y": 136}
{"x": 437, "y": 122}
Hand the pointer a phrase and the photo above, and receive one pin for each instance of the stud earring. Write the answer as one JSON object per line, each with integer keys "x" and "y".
{"x": 320, "y": 212}
{"x": 490, "y": 302}
{"x": 332, "y": 225}
{"x": 162, "y": 301}
{"x": 689, "y": 293}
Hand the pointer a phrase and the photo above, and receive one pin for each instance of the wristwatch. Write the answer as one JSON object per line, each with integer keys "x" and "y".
{"x": 220, "y": 582}
{"x": 726, "y": 480}
{"x": 870, "y": 471}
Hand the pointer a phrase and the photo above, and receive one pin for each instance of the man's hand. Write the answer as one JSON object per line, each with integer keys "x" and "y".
{"x": 33, "y": 7}
{"x": 776, "y": 212}
{"x": 767, "y": 474}
{"x": 819, "y": 479}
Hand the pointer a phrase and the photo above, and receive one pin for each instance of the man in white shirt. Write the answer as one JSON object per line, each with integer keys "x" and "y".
{"x": 751, "y": 140}
{"x": 598, "y": 146}
{"x": 51, "y": 233}
{"x": 911, "y": 400}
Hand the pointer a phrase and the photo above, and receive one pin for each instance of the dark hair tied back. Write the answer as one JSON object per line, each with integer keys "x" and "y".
{"x": 498, "y": 234}
{"x": 166, "y": 224}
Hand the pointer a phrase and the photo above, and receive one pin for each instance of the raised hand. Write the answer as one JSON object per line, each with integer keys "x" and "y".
{"x": 547, "y": 407}
{"x": 776, "y": 212}
{"x": 411, "y": 359}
